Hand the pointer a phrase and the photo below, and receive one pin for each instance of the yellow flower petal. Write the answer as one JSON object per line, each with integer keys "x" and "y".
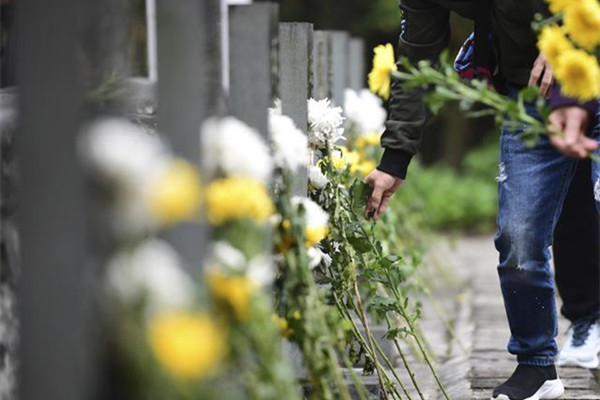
{"x": 579, "y": 74}
{"x": 582, "y": 22}
{"x": 553, "y": 43}
{"x": 188, "y": 346}
{"x": 176, "y": 195}
{"x": 558, "y": 6}
{"x": 238, "y": 198}
{"x": 233, "y": 292}
{"x": 314, "y": 234}
{"x": 383, "y": 65}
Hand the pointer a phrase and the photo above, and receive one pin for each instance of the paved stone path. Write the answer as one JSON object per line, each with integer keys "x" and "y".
{"x": 481, "y": 324}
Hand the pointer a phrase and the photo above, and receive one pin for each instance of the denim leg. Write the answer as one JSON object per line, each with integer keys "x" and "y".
{"x": 532, "y": 186}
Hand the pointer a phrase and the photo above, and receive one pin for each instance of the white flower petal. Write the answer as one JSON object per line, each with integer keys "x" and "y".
{"x": 290, "y": 144}
{"x": 231, "y": 147}
{"x": 364, "y": 112}
{"x": 153, "y": 269}
{"x": 316, "y": 178}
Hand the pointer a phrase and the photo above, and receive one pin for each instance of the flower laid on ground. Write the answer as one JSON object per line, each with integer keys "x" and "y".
{"x": 176, "y": 195}
{"x": 364, "y": 112}
{"x": 316, "y": 178}
{"x": 230, "y": 147}
{"x": 290, "y": 145}
{"x": 579, "y": 74}
{"x": 316, "y": 220}
{"x": 325, "y": 123}
{"x": 151, "y": 273}
{"x": 188, "y": 346}
{"x": 553, "y": 43}
{"x": 383, "y": 65}
{"x": 582, "y": 22}
{"x": 233, "y": 292}
{"x": 234, "y": 198}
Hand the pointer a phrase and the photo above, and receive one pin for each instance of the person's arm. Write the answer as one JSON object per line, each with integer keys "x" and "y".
{"x": 425, "y": 33}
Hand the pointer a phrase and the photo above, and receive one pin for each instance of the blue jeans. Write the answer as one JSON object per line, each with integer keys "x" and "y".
{"x": 532, "y": 185}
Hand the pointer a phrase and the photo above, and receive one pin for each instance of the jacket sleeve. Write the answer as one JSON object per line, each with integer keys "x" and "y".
{"x": 425, "y": 33}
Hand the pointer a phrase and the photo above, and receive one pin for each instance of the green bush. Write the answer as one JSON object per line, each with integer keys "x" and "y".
{"x": 451, "y": 200}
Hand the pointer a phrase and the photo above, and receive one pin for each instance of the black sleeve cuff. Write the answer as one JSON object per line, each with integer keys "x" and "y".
{"x": 395, "y": 162}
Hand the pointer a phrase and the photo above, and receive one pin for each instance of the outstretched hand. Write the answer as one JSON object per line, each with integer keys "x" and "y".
{"x": 384, "y": 186}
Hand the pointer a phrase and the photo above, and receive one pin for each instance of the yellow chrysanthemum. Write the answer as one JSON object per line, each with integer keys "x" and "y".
{"x": 232, "y": 291}
{"x": 176, "y": 195}
{"x": 372, "y": 139}
{"x": 314, "y": 234}
{"x": 364, "y": 167}
{"x": 558, "y": 6}
{"x": 553, "y": 43}
{"x": 384, "y": 64}
{"x": 283, "y": 325}
{"x": 344, "y": 157}
{"x": 188, "y": 346}
{"x": 582, "y": 22}
{"x": 579, "y": 74}
{"x": 237, "y": 198}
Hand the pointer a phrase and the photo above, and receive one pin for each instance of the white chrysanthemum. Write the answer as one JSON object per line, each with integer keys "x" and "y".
{"x": 152, "y": 271}
{"x": 325, "y": 122}
{"x": 121, "y": 151}
{"x": 223, "y": 253}
{"x": 130, "y": 160}
{"x": 226, "y": 259}
{"x": 232, "y": 148}
{"x": 262, "y": 271}
{"x": 316, "y": 256}
{"x": 314, "y": 215}
{"x": 277, "y": 107}
{"x": 316, "y": 178}
{"x": 364, "y": 112}
{"x": 290, "y": 145}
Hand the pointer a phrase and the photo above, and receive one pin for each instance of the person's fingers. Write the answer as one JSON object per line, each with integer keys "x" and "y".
{"x": 387, "y": 195}
{"x": 547, "y": 80}
{"x": 374, "y": 201}
{"x": 588, "y": 144}
{"x": 536, "y": 73}
{"x": 573, "y": 133}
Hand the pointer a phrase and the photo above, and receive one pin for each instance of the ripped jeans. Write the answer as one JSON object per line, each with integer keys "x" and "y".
{"x": 532, "y": 185}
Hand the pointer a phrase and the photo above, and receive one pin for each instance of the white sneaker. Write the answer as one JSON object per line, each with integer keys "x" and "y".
{"x": 582, "y": 345}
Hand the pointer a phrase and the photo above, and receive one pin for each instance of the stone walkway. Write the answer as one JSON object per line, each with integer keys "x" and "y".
{"x": 481, "y": 324}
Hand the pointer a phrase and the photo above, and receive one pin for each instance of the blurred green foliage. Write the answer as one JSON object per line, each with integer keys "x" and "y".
{"x": 447, "y": 199}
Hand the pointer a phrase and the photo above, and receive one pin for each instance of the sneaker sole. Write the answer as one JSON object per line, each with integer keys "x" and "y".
{"x": 552, "y": 389}
{"x": 575, "y": 362}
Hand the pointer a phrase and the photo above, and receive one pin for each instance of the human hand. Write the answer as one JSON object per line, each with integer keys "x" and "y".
{"x": 541, "y": 69}
{"x": 384, "y": 186}
{"x": 573, "y": 122}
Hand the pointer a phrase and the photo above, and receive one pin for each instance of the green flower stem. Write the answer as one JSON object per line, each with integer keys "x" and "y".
{"x": 400, "y": 301}
{"x": 362, "y": 341}
{"x": 361, "y": 314}
{"x": 410, "y": 323}
{"x": 439, "y": 312}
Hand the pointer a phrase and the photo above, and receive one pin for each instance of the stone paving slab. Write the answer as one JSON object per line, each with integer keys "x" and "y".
{"x": 488, "y": 362}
